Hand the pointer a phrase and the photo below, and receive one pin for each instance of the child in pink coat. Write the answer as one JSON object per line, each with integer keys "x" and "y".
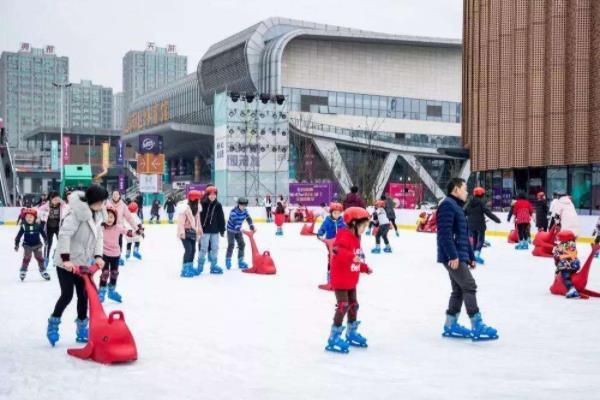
{"x": 189, "y": 231}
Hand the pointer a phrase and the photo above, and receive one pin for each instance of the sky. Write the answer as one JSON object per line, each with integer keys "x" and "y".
{"x": 96, "y": 34}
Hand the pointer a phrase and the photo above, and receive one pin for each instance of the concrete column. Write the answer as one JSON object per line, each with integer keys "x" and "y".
{"x": 384, "y": 174}
{"x": 465, "y": 170}
{"x": 330, "y": 153}
{"x": 424, "y": 175}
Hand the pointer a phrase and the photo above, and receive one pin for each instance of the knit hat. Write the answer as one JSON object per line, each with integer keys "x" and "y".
{"x": 95, "y": 193}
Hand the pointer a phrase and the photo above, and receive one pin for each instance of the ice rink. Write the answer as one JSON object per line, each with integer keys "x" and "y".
{"x": 244, "y": 336}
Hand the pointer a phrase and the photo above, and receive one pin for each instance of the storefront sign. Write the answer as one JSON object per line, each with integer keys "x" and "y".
{"x": 149, "y": 183}
{"x": 66, "y": 150}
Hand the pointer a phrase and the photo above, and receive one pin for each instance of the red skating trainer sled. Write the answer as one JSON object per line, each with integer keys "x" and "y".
{"x": 261, "y": 263}
{"x": 308, "y": 229}
{"x": 513, "y": 236}
{"x": 329, "y": 244}
{"x": 544, "y": 243}
{"x": 579, "y": 279}
{"x": 110, "y": 340}
{"x": 430, "y": 223}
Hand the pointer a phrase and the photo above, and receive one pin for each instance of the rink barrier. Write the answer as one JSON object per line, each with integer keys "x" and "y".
{"x": 405, "y": 220}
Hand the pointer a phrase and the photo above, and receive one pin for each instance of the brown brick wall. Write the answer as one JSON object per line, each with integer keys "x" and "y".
{"x": 531, "y": 82}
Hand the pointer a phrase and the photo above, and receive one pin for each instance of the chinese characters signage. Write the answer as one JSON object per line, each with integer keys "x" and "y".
{"x": 155, "y": 114}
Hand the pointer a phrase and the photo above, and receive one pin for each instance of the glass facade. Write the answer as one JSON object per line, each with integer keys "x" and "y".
{"x": 89, "y": 106}
{"x": 329, "y": 102}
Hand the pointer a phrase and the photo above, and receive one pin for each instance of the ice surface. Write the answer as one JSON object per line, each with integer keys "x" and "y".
{"x": 241, "y": 336}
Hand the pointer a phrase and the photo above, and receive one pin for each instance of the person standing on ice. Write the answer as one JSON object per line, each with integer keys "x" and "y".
{"x": 54, "y": 211}
{"x": 268, "y": 203}
{"x": 237, "y": 216}
{"x": 541, "y": 212}
{"x": 354, "y": 199}
{"x": 390, "y": 210}
{"x": 170, "y": 208}
{"x": 347, "y": 262}
{"x": 565, "y": 215}
{"x": 522, "y": 211}
{"x": 123, "y": 214}
{"x": 134, "y": 239}
{"x": 213, "y": 225}
{"x": 32, "y": 234}
{"x": 328, "y": 230}
{"x": 476, "y": 211}
{"x": 80, "y": 240}
{"x": 383, "y": 228}
{"x": 454, "y": 251}
{"x": 189, "y": 229}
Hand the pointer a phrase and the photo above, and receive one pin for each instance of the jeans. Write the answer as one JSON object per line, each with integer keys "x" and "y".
{"x": 170, "y": 216}
{"x": 382, "y": 232}
{"x": 478, "y": 238}
{"x": 189, "y": 250}
{"x": 209, "y": 241}
{"x": 464, "y": 289}
{"x": 237, "y": 236}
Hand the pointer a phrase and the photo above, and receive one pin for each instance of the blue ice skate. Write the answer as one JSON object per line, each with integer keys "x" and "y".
{"x": 187, "y": 270}
{"x": 397, "y": 234}
{"x": 52, "y": 331}
{"x": 200, "y": 269}
{"x": 214, "y": 268}
{"x": 368, "y": 232}
{"x": 242, "y": 264}
{"x": 22, "y": 273}
{"x": 121, "y": 261}
{"x": 387, "y": 249}
{"x": 376, "y": 249}
{"x": 335, "y": 343}
{"x": 81, "y": 332}
{"x": 228, "y": 263}
{"x": 481, "y": 331}
{"x": 452, "y": 329}
{"x": 44, "y": 274}
{"x": 46, "y": 261}
{"x": 136, "y": 254}
{"x": 478, "y": 258}
{"x": 353, "y": 337}
{"x": 572, "y": 293}
{"x": 102, "y": 293}
{"x": 114, "y": 295}
{"x": 128, "y": 254}
{"x": 279, "y": 232}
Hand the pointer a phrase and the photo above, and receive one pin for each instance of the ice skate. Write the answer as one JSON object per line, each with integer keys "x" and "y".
{"x": 480, "y": 331}
{"x": 335, "y": 343}
{"x": 353, "y": 337}
{"x": 452, "y": 329}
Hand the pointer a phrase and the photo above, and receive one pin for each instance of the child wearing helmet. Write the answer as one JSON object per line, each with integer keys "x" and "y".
{"x": 329, "y": 228}
{"x": 476, "y": 211}
{"x": 384, "y": 227}
{"x": 134, "y": 226}
{"x": 237, "y": 216}
{"x": 213, "y": 225}
{"x": 31, "y": 232}
{"x": 347, "y": 262}
{"x": 189, "y": 230}
{"x": 566, "y": 261}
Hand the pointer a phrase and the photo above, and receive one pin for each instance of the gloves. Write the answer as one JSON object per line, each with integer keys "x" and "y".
{"x": 16, "y": 246}
{"x": 81, "y": 269}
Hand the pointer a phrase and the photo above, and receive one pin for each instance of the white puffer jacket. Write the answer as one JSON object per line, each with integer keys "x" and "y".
{"x": 565, "y": 211}
{"x": 81, "y": 233}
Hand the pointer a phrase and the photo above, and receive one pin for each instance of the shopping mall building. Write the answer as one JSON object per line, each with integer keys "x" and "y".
{"x": 293, "y": 101}
{"x": 531, "y": 90}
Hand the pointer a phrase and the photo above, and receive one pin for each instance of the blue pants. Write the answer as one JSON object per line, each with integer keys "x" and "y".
{"x": 566, "y": 277}
{"x": 478, "y": 238}
{"x": 212, "y": 240}
{"x": 189, "y": 248}
{"x": 170, "y": 216}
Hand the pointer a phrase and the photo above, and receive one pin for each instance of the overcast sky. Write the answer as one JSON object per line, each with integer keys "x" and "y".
{"x": 95, "y": 34}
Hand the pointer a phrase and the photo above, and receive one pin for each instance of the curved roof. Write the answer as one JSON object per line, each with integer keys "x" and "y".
{"x": 250, "y": 60}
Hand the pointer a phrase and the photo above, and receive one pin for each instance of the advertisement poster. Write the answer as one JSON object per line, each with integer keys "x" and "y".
{"x": 54, "y": 155}
{"x": 406, "y": 195}
{"x": 311, "y": 194}
{"x": 66, "y": 150}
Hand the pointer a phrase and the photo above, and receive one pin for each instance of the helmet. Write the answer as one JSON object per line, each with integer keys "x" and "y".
{"x": 335, "y": 207}
{"x": 565, "y": 236}
{"x": 132, "y": 207}
{"x": 194, "y": 195}
{"x": 540, "y": 195}
{"x": 242, "y": 201}
{"x": 380, "y": 203}
{"x": 422, "y": 214}
{"x": 355, "y": 214}
{"x": 211, "y": 189}
{"x": 31, "y": 211}
{"x": 478, "y": 191}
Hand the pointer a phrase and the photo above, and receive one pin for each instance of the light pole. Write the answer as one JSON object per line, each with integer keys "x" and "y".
{"x": 61, "y": 86}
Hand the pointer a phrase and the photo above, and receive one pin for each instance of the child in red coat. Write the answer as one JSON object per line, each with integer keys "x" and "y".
{"x": 522, "y": 210}
{"x": 347, "y": 263}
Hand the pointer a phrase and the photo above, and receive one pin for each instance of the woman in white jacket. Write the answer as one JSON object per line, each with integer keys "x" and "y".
{"x": 565, "y": 215}
{"x": 80, "y": 240}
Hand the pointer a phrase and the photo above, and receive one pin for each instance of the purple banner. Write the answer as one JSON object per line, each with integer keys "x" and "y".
{"x": 195, "y": 186}
{"x": 150, "y": 144}
{"x": 311, "y": 194}
{"x": 122, "y": 183}
{"x": 120, "y": 153}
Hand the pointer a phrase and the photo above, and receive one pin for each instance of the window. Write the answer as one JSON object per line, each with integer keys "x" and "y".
{"x": 434, "y": 111}
{"x": 556, "y": 180}
{"x": 596, "y": 189}
{"x": 580, "y": 179}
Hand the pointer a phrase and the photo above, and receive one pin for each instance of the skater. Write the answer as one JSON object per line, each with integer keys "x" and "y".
{"x": 522, "y": 211}
{"x": 383, "y": 228}
{"x": 454, "y": 251}
{"x": 552, "y": 209}
{"x": 54, "y": 211}
{"x": 565, "y": 214}
{"x": 237, "y": 217}
{"x": 134, "y": 239}
{"x": 328, "y": 230}
{"x": 213, "y": 225}
{"x": 476, "y": 211}
{"x": 112, "y": 230}
{"x": 31, "y": 232}
{"x": 279, "y": 218}
{"x": 354, "y": 199}
{"x": 373, "y": 221}
{"x": 566, "y": 261}
{"x": 170, "y": 208}
{"x": 390, "y": 210}
{"x": 155, "y": 211}
{"x": 347, "y": 263}
{"x": 80, "y": 240}
{"x": 123, "y": 215}
{"x": 189, "y": 230}
{"x": 268, "y": 207}
{"x": 541, "y": 212}
{"x": 139, "y": 199}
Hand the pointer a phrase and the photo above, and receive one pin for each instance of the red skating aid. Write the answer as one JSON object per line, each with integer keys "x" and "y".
{"x": 579, "y": 279}
{"x": 261, "y": 263}
{"x": 544, "y": 243}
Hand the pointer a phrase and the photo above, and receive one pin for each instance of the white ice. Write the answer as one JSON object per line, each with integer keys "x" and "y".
{"x": 242, "y": 336}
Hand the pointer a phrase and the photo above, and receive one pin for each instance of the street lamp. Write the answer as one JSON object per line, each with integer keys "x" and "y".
{"x": 61, "y": 86}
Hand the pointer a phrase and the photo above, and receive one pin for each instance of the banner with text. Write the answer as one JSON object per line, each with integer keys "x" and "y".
{"x": 311, "y": 194}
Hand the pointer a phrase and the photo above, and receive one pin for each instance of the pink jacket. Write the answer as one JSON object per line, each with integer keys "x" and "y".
{"x": 44, "y": 210}
{"x": 186, "y": 220}
{"x": 111, "y": 240}
{"x": 123, "y": 213}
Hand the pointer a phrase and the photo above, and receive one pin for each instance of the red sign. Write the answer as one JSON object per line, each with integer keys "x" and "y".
{"x": 406, "y": 195}
{"x": 66, "y": 150}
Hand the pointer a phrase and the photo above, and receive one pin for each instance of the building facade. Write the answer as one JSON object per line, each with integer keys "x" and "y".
{"x": 89, "y": 106}
{"x": 118, "y": 111}
{"x": 531, "y": 90}
{"x": 27, "y": 96}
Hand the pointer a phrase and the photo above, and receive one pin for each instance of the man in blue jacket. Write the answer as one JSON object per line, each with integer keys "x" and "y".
{"x": 456, "y": 254}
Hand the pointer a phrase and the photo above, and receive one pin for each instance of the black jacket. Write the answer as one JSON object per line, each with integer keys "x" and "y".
{"x": 212, "y": 217}
{"x": 541, "y": 213}
{"x": 170, "y": 206}
{"x": 476, "y": 211}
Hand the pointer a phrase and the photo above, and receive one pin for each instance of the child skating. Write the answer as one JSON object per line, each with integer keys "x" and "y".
{"x": 238, "y": 215}
{"x": 522, "y": 210}
{"x": 347, "y": 263}
{"x": 53, "y": 212}
{"x": 213, "y": 225}
{"x": 566, "y": 261}
{"x": 328, "y": 231}
{"x": 189, "y": 230}
{"x": 134, "y": 240}
{"x": 383, "y": 228}
{"x": 32, "y": 234}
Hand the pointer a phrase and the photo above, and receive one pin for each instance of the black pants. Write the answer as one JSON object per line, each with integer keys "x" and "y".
{"x": 478, "y": 238}
{"x": 189, "y": 250}
{"x": 382, "y": 232}
{"x": 393, "y": 222}
{"x": 237, "y": 237}
{"x": 136, "y": 246}
{"x": 523, "y": 230}
{"x": 464, "y": 289}
{"x": 154, "y": 216}
{"x": 110, "y": 270}
{"x": 269, "y": 214}
{"x": 50, "y": 233}
{"x": 37, "y": 252}
{"x": 68, "y": 281}
{"x": 346, "y": 304}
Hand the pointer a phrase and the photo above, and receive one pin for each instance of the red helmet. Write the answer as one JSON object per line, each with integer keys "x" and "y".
{"x": 194, "y": 195}
{"x": 211, "y": 189}
{"x": 355, "y": 214}
{"x": 380, "y": 203}
{"x": 31, "y": 211}
{"x": 335, "y": 207}
{"x": 478, "y": 191}
{"x": 565, "y": 236}
{"x": 541, "y": 195}
{"x": 132, "y": 207}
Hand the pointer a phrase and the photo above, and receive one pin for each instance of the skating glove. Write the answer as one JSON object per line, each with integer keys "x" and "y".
{"x": 81, "y": 269}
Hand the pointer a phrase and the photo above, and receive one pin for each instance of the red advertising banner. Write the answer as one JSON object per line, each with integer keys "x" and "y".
{"x": 406, "y": 195}
{"x": 66, "y": 150}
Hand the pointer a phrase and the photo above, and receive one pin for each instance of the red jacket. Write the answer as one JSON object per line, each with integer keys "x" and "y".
{"x": 522, "y": 210}
{"x": 344, "y": 271}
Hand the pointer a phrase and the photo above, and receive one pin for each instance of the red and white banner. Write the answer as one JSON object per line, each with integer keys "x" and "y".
{"x": 66, "y": 150}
